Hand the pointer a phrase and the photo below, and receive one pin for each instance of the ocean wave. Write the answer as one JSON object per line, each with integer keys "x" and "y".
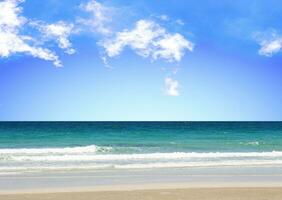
{"x": 94, "y": 157}
{"x": 127, "y": 157}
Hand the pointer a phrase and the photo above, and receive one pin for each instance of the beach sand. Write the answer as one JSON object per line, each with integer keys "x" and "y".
{"x": 222, "y": 183}
{"x": 259, "y": 193}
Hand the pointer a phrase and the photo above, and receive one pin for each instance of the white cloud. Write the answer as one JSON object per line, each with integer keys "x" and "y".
{"x": 9, "y": 14}
{"x": 149, "y": 39}
{"x": 139, "y": 39}
{"x": 11, "y": 41}
{"x": 59, "y": 32}
{"x": 100, "y": 16}
{"x": 270, "y": 42}
{"x": 172, "y": 47}
{"x": 171, "y": 87}
{"x": 270, "y": 47}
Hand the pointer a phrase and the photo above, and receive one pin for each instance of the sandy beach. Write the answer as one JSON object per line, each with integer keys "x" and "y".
{"x": 225, "y": 193}
{"x": 225, "y": 183}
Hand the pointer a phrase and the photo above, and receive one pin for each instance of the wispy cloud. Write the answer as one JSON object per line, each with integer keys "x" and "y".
{"x": 171, "y": 87}
{"x": 149, "y": 39}
{"x": 100, "y": 17}
{"x": 59, "y": 32}
{"x": 11, "y": 39}
{"x": 270, "y": 47}
{"x": 270, "y": 42}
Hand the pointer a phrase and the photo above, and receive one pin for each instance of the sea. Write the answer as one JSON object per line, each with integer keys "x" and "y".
{"x": 74, "y": 146}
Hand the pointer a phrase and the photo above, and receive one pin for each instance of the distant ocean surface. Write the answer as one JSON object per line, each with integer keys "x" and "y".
{"x": 55, "y": 146}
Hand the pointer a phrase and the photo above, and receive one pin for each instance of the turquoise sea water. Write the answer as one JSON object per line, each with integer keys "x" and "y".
{"x": 39, "y": 146}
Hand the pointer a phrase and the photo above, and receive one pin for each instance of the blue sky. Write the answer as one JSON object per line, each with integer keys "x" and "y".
{"x": 140, "y": 60}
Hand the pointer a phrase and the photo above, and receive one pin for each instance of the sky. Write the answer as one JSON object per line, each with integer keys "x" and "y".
{"x": 121, "y": 60}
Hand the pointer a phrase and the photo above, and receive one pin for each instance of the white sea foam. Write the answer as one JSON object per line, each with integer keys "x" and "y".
{"x": 74, "y": 156}
{"x": 66, "y": 150}
{"x": 94, "y": 157}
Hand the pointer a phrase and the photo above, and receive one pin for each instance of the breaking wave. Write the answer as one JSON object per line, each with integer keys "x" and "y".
{"x": 98, "y": 157}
